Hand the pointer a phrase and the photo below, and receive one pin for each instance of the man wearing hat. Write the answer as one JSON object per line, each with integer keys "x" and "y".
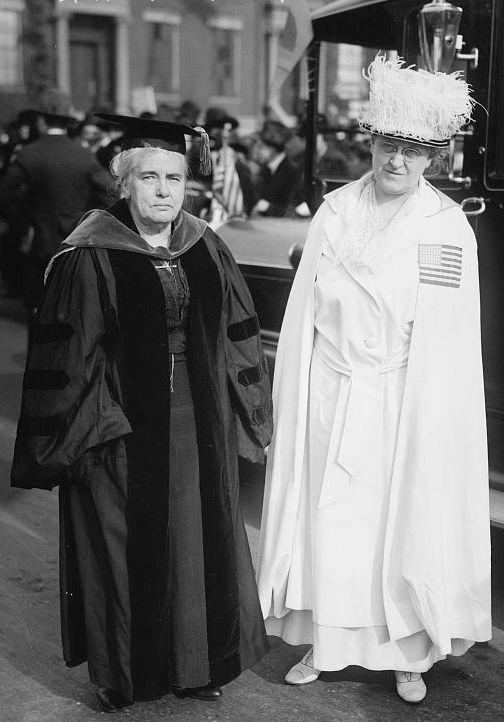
{"x": 48, "y": 187}
{"x": 21, "y": 132}
{"x": 145, "y": 381}
{"x": 278, "y": 177}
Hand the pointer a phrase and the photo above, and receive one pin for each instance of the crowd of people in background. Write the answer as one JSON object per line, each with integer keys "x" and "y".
{"x": 47, "y": 183}
{"x": 253, "y": 175}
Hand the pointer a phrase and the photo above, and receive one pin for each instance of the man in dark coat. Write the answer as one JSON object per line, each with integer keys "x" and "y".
{"x": 279, "y": 180}
{"x": 22, "y": 132}
{"x": 47, "y": 188}
{"x": 157, "y": 583}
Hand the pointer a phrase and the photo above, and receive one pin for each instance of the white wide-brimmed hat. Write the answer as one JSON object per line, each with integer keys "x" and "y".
{"x": 427, "y": 108}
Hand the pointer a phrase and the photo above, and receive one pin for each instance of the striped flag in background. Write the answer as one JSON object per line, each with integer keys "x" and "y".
{"x": 294, "y": 40}
{"x": 227, "y": 194}
{"x": 440, "y": 264}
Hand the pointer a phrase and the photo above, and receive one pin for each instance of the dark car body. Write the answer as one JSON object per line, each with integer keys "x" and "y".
{"x": 267, "y": 251}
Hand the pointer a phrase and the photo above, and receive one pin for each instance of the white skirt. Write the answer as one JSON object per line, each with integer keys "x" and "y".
{"x": 335, "y": 590}
{"x": 335, "y": 648}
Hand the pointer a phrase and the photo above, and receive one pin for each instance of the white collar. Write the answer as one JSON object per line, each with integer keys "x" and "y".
{"x": 431, "y": 199}
{"x": 273, "y": 164}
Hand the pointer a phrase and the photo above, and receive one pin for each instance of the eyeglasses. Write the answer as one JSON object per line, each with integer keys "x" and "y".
{"x": 410, "y": 155}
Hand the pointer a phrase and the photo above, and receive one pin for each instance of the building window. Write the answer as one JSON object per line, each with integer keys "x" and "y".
{"x": 163, "y": 43}
{"x": 227, "y": 51}
{"x": 11, "y": 60}
{"x": 342, "y": 149}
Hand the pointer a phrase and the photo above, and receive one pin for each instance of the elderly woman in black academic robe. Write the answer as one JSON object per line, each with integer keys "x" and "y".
{"x": 145, "y": 380}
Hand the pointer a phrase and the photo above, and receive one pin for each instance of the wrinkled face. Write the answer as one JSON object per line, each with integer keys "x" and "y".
{"x": 156, "y": 188}
{"x": 398, "y": 165}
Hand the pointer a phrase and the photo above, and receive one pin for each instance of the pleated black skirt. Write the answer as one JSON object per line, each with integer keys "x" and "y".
{"x": 140, "y": 558}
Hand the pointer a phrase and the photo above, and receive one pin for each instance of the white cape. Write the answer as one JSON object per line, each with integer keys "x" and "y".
{"x": 437, "y": 546}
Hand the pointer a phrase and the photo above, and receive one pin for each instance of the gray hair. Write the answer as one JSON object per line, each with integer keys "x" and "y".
{"x": 123, "y": 164}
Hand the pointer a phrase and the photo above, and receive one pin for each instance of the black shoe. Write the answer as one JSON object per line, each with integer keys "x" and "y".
{"x": 110, "y": 701}
{"x": 207, "y": 694}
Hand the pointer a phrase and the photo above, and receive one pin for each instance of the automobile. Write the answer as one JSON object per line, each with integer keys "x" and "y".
{"x": 268, "y": 251}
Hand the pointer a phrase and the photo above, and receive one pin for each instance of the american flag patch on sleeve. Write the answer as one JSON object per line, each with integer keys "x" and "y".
{"x": 440, "y": 264}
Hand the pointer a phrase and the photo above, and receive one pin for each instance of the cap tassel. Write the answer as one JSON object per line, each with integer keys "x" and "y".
{"x": 205, "y": 155}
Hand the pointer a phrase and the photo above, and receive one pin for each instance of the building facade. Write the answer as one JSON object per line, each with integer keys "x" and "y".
{"x": 134, "y": 55}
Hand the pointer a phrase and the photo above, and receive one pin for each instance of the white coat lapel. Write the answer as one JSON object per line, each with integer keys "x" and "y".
{"x": 334, "y": 230}
{"x": 403, "y": 235}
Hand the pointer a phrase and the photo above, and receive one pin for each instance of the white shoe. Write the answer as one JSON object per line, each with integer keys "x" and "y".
{"x": 303, "y": 672}
{"x": 410, "y": 686}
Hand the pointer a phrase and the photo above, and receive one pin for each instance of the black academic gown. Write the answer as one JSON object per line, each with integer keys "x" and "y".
{"x": 95, "y": 420}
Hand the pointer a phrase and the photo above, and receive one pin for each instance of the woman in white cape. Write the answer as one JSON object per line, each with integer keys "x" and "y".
{"x": 375, "y": 535}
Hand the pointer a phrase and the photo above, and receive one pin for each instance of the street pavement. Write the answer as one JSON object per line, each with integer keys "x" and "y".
{"x": 35, "y": 685}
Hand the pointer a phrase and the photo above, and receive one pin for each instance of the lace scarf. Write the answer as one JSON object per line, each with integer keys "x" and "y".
{"x": 365, "y": 240}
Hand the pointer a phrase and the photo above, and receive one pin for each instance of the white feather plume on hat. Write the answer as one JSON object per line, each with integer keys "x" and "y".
{"x": 428, "y": 108}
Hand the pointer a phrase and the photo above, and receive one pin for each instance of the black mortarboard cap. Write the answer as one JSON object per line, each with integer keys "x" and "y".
{"x": 160, "y": 134}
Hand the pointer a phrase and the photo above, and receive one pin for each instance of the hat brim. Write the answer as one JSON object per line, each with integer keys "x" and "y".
{"x": 57, "y": 118}
{"x": 162, "y": 126}
{"x": 427, "y": 143}
{"x": 157, "y": 133}
{"x": 221, "y": 122}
